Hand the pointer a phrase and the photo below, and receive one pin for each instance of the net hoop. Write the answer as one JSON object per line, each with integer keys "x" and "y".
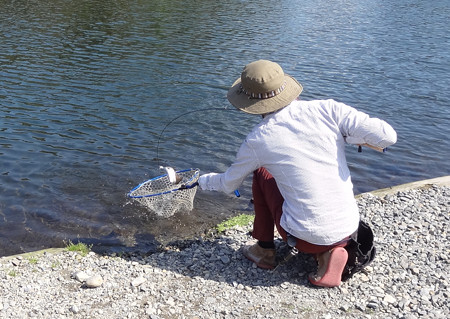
{"x": 164, "y": 198}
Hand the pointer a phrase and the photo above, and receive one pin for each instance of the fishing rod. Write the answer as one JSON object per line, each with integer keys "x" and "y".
{"x": 179, "y": 116}
{"x": 378, "y": 149}
{"x": 166, "y": 194}
{"x": 169, "y": 169}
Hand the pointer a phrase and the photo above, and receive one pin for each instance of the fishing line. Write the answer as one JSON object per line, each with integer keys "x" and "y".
{"x": 179, "y": 116}
{"x": 236, "y": 192}
{"x": 166, "y": 194}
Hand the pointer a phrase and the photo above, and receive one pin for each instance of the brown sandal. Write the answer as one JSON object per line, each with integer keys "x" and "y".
{"x": 263, "y": 257}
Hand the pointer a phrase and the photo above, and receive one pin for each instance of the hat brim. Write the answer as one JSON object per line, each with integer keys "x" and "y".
{"x": 243, "y": 102}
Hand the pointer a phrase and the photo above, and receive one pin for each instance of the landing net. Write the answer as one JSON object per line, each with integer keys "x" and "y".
{"x": 164, "y": 198}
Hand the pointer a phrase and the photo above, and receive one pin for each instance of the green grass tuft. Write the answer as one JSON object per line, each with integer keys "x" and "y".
{"x": 56, "y": 264}
{"x": 240, "y": 220}
{"x": 82, "y": 248}
{"x": 33, "y": 260}
{"x": 12, "y": 273}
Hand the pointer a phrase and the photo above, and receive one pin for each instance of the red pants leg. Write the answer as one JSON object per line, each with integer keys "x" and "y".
{"x": 268, "y": 202}
{"x": 268, "y": 205}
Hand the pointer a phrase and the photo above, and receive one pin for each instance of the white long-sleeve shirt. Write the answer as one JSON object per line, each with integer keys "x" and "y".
{"x": 302, "y": 146}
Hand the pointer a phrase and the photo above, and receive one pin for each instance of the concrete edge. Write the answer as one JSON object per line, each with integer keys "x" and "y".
{"x": 439, "y": 181}
{"x": 33, "y": 254}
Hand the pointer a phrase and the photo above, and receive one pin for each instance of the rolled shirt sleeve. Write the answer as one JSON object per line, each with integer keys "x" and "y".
{"x": 359, "y": 128}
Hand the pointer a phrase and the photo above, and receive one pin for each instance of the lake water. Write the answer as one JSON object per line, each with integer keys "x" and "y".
{"x": 86, "y": 87}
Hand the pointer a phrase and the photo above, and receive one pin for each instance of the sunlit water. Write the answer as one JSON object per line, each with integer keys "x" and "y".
{"x": 87, "y": 87}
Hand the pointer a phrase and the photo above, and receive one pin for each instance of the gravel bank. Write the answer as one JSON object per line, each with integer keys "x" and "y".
{"x": 209, "y": 278}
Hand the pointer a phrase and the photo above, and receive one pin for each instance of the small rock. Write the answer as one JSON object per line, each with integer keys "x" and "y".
{"x": 15, "y": 262}
{"x": 81, "y": 276}
{"x": 404, "y": 303}
{"x": 425, "y": 294}
{"x": 74, "y": 309}
{"x": 94, "y": 281}
{"x": 170, "y": 301}
{"x": 389, "y": 298}
{"x": 138, "y": 281}
{"x": 150, "y": 311}
{"x": 360, "y": 307}
{"x": 343, "y": 290}
{"x": 225, "y": 259}
{"x": 422, "y": 312}
{"x": 363, "y": 277}
{"x": 415, "y": 270}
{"x": 372, "y": 305}
{"x": 344, "y": 307}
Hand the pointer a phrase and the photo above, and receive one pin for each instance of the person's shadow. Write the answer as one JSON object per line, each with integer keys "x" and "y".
{"x": 220, "y": 258}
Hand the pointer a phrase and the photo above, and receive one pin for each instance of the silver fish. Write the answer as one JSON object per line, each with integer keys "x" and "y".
{"x": 174, "y": 178}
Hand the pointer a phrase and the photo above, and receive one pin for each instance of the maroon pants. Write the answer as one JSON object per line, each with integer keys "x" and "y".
{"x": 268, "y": 204}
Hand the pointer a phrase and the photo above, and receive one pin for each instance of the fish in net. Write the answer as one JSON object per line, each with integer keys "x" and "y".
{"x": 169, "y": 193}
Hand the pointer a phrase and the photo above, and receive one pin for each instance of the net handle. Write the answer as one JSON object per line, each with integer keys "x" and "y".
{"x": 184, "y": 186}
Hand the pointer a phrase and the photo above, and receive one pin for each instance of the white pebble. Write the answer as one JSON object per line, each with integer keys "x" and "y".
{"x": 389, "y": 298}
{"x": 81, "y": 276}
{"x": 94, "y": 281}
{"x": 138, "y": 281}
{"x": 74, "y": 309}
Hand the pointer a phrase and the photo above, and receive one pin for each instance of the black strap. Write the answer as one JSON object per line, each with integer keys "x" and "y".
{"x": 361, "y": 251}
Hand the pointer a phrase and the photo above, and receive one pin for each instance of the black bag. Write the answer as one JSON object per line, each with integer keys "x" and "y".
{"x": 361, "y": 251}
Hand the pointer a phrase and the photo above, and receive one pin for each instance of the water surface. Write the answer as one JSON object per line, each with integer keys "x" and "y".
{"x": 87, "y": 87}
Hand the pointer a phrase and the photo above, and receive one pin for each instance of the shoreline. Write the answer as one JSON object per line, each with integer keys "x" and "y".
{"x": 438, "y": 181}
{"x": 209, "y": 278}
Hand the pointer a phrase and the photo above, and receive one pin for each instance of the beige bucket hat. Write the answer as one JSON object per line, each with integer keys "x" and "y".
{"x": 263, "y": 88}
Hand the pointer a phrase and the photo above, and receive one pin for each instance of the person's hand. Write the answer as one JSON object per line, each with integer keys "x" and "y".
{"x": 379, "y": 149}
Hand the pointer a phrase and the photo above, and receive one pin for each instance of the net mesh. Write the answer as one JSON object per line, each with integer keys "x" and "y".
{"x": 164, "y": 198}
